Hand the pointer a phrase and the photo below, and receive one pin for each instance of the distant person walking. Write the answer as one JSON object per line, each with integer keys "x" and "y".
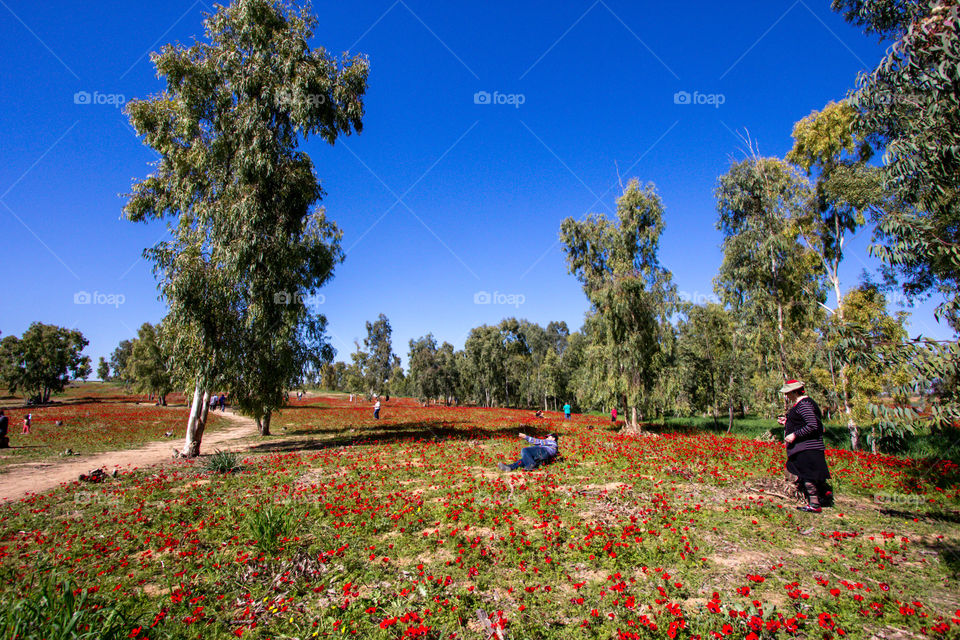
{"x": 803, "y": 433}
{"x": 223, "y": 402}
{"x": 376, "y": 410}
{"x": 4, "y": 425}
{"x": 27, "y": 421}
{"x": 566, "y": 411}
{"x": 542, "y": 451}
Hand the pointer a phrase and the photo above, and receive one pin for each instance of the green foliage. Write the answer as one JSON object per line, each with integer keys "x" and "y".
{"x": 149, "y": 365}
{"x": 103, "y": 369}
{"x": 493, "y": 361}
{"x": 866, "y": 308}
{"x": 882, "y": 17}
{"x": 57, "y": 610}
{"x": 222, "y": 462}
{"x": 910, "y": 106}
{"x": 709, "y": 367}
{"x": 118, "y": 362}
{"x": 424, "y": 368}
{"x": 377, "y": 360}
{"x": 268, "y": 525}
{"x": 43, "y": 360}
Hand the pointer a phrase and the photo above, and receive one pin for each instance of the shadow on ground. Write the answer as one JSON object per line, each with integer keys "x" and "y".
{"x": 938, "y": 516}
{"x": 419, "y": 431}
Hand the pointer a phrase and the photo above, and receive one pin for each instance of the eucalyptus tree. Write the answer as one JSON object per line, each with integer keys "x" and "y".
{"x": 378, "y": 359}
{"x": 768, "y": 278}
{"x": 709, "y": 364}
{"x": 909, "y": 106}
{"x": 42, "y": 360}
{"x": 248, "y": 246}
{"x": 631, "y": 296}
{"x": 483, "y": 364}
{"x": 118, "y": 362}
{"x": 494, "y": 359}
{"x": 149, "y": 366}
{"x": 845, "y": 189}
{"x": 423, "y": 366}
{"x": 103, "y": 369}
{"x": 449, "y": 380}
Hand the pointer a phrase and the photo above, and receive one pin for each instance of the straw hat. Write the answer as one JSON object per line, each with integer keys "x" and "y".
{"x": 791, "y": 385}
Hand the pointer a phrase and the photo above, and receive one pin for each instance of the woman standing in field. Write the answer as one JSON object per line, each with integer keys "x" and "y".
{"x": 803, "y": 433}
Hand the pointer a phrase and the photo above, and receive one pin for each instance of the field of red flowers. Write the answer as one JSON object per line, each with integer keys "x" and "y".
{"x": 94, "y": 417}
{"x": 344, "y": 526}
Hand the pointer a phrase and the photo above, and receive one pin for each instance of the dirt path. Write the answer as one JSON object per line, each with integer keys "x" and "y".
{"x": 37, "y": 477}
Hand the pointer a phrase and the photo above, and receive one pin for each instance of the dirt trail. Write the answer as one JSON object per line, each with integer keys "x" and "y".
{"x": 36, "y": 477}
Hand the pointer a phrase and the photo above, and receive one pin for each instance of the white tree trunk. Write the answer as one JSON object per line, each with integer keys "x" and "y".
{"x": 196, "y": 422}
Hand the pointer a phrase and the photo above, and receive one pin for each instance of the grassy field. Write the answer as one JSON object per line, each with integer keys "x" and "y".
{"x": 343, "y": 526}
{"x": 95, "y": 417}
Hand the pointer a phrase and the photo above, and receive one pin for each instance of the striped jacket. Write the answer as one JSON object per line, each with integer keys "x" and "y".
{"x": 805, "y": 421}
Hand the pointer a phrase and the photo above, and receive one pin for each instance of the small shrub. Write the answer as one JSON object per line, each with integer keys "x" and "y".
{"x": 222, "y": 462}
{"x": 267, "y": 525}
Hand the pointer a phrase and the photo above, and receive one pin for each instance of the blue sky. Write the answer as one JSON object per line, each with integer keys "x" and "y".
{"x": 486, "y": 125}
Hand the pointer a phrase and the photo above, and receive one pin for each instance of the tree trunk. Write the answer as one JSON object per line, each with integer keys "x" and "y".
{"x": 847, "y": 409}
{"x": 163, "y": 399}
{"x": 730, "y": 423}
{"x": 205, "y": 409}
{"x": 780, "y": 339}
{"x": 633, "y": 419}
{"x": 263, "y": 424}
{"x": 716, "y": 410}
{"x": 195, "y": 424}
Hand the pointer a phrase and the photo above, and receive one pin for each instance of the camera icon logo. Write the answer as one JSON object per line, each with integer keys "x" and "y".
{"x": 282, "y": 297}
{"x": 81, "y": 297}
{"x": 82, "y": 97}
{"x": 481, "y": 297}
{"x": 481, "y": 97}
{"x": 681, "y": 97}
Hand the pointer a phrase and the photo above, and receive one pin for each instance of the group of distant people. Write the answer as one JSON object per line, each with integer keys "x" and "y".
{"x": 218, "y": 401}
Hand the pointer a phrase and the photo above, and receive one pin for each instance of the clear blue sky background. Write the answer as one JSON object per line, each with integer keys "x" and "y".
{"x": 440, "y": 198}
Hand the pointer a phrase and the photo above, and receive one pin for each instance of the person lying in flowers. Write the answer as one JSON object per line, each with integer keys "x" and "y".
{"x": 542, "y": 451}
